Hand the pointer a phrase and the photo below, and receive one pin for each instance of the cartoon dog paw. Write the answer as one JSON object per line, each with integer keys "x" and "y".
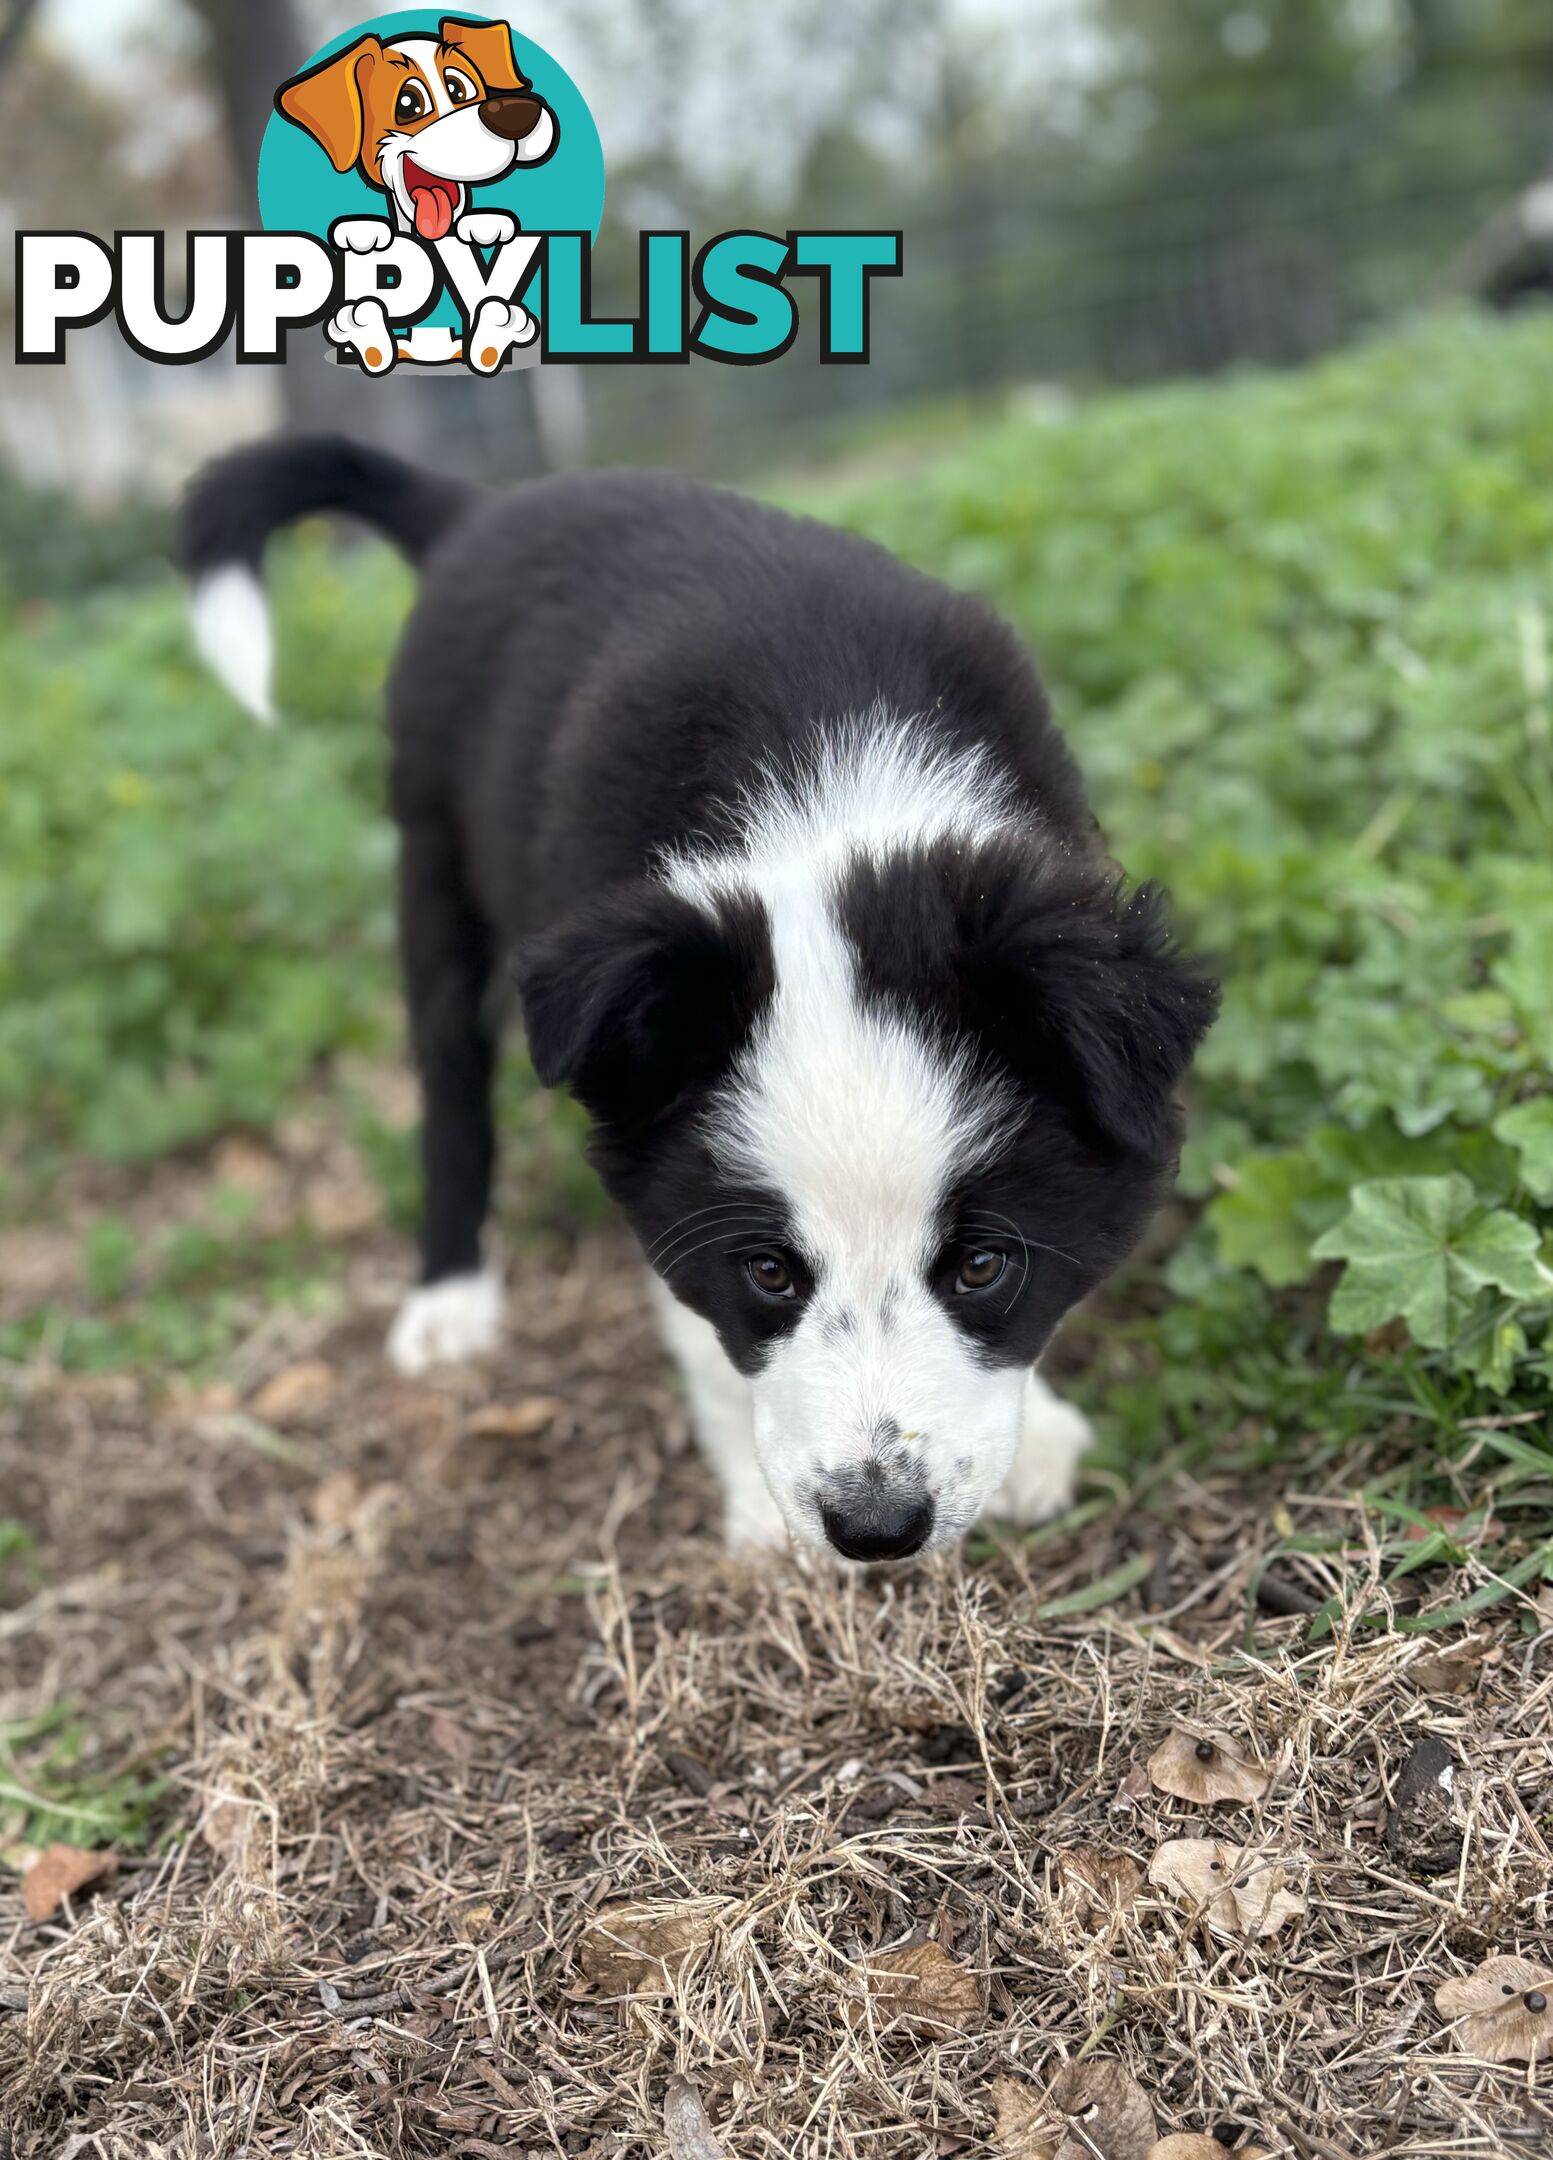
{"x": 486, "y": 228}
{"x": 361, "y": 235}
{"x": 362, "y": 327}
{"x": 499, "y": 325}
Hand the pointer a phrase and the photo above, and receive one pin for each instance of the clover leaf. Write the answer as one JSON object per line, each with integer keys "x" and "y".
{"x": 1529, "y": 1130}
{"x": 1421, "y": 1249}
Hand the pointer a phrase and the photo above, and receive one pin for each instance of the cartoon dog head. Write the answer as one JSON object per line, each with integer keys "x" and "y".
{"x": 424, "y": 118}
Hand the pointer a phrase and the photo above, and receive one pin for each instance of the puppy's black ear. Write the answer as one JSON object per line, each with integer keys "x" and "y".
{"x": 641, "y": 997}
{"x": 1078, "y": 983}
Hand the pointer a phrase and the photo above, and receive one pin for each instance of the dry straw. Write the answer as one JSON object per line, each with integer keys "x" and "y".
{"x": 499, "y": 1802}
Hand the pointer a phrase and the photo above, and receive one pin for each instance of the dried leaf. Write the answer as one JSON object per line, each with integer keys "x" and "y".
{"x": 449, "y": 1737}
{"x": 227, "y": 1824}
{"x": 245, "y": 1166}
{"x": 342, "y": 1205}
{"x": 635, "y": 1949}
{"x": 517, "y": 1420}
{"x": 1197, "y": 2145}
{"x": 1134, "y": 1788}
{"x": 38, "y": 1265}
{"x": 1452, "y": 1675}
{"x": 59, "y": 1872}
{"x": 1450, "y": 1520}
{"x": 1021, "y": 2118}
{"x": 474, "y": 1920}
{"x": 295, "y": 1392}
{"x": 686, "y": 2123}
{"x": 1504, "y": 2010}
{"x": 921, "y": 1988}
{"x": 1109, "y": 2110}
{"x": 1204, "y": 1770}
{"x": 1111, "y": 1880}
{"x": 336, "y": 1499}
{"x": 1239, "y": 1894}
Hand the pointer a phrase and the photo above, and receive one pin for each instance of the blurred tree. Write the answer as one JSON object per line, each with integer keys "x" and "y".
{"x": 251, "y": 49}
{"x": 1212, "y": 65}
{"x": 13, "y": 28}
{"x": 1506, "y": 42}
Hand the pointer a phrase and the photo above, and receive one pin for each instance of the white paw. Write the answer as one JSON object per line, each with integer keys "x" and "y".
{"x": 362, "y": 325}
{"x": 498, "y": 326}
{"x": 1040, "y": 1483}
{"x": 361, "y": 235}
{"x": 752, "y": 1521}
{"x": 486, "y": 228}
{"x": 447, "y": 1322}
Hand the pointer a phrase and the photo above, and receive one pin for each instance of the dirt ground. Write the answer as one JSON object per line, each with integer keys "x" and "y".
{"x": 497, "y": 1798}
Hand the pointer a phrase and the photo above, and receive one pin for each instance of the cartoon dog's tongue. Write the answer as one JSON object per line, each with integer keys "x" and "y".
{"x": 433, "y": 200}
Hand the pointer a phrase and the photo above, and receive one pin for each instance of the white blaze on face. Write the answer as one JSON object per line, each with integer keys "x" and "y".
{"x": 861, "y": 1123}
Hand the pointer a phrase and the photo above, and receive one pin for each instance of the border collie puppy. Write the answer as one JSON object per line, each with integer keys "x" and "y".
{"x": 808, "y": 909}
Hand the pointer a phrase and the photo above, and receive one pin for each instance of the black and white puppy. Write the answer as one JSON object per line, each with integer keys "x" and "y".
{"x": 809, "y": 910}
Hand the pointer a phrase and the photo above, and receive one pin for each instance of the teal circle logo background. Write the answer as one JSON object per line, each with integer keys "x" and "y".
{"x": 300, "y": 191}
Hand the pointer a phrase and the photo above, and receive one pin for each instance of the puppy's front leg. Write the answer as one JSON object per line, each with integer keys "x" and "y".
{"x": 1052, "y": 1438}
{"x": 722, "y": 1416}
{"x": 448, "y": 957}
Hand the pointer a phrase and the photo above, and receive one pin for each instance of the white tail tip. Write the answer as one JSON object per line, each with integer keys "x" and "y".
{"x": 232, "y": 631}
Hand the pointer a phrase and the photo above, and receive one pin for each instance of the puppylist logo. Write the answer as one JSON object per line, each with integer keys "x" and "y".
{"x": 431, "y": 187}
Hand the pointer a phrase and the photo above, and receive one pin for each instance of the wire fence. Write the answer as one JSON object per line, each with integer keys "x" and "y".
{"x": 1252, "y": 248}
{"x": 1023, "y": 270}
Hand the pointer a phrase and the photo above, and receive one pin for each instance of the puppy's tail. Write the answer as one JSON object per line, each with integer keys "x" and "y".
{"x": 234, "y": 504}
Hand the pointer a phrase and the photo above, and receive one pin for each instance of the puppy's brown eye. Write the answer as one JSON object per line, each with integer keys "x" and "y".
{"x": 410, "y": 104}
{"x": 980, "y": 1268}
{"x": 771, "y": 1275}
{"x": 460, "y": 88}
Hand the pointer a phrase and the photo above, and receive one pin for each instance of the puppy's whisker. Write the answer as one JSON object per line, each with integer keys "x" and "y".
{"x": 694, "y": 1215}
{"x": 692, "y": 1245}
{"x": 694, "y": 1220}
{"x": 713, "y": 1207}
{"x": 717, "y": 1236}
{"x": 749, "y": 1233}
{"x": 1009, "y": 1225}
{"x": 1003, "y": 1226}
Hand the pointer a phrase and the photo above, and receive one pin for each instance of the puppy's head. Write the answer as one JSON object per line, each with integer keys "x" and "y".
{"x": 882, "y": 1128}
{"x": 424, "y": 118}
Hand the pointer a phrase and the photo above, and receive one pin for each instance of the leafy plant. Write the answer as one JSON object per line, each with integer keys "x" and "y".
{"x": 51, "y": 1791}
{"x": 193, "y": 911}
{"x": 1298, "y": 630}
{"x": 174, "y": 1301}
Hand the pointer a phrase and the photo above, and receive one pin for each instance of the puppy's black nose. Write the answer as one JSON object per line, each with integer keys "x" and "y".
{"x": 883, "y": 1529}
{"x": 511, "y": 113}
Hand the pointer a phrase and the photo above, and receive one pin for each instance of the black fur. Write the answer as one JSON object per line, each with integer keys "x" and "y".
{"x": 597, "y": 665}
{"x": 238, "y": 501}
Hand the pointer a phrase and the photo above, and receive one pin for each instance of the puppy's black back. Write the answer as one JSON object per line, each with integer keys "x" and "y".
{"x": 598, "y": 661}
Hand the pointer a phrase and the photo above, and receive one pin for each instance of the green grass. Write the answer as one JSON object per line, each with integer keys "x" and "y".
{"x": 192, "y": 912}
{"x": 51, "y": 1792}
{"x": 175, "y": 1302}
{"x": 1300, "y": 631}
